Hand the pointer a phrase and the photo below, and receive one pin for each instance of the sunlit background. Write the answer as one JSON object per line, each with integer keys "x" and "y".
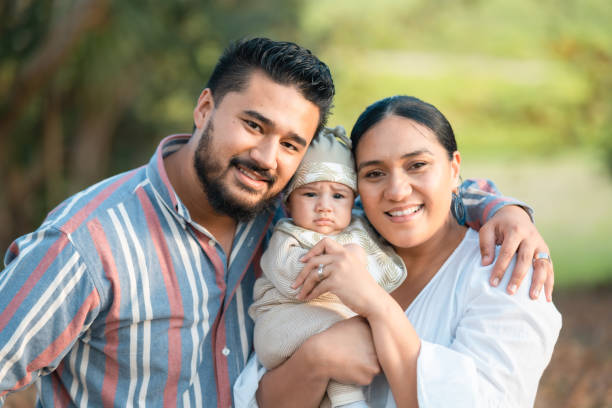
{"x": 88, "y": 88}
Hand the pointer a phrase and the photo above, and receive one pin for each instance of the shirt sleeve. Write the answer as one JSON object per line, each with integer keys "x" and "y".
{"x": 482, "y": 200}
{"x": 502, "y": 344}
{"x": 47, "y": 300}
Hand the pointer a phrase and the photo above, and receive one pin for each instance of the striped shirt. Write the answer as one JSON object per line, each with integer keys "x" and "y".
{"x": 123, "y": 300}
{"x": 120, "y": 299}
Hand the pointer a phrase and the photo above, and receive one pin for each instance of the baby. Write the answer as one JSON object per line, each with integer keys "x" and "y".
{"x": 320, "y": 200}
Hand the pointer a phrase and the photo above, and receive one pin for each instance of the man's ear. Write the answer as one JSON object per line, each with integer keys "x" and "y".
{"x": 205, "y": 105}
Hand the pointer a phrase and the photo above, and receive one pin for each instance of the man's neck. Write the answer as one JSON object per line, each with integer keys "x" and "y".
{"x": 184, "y": 180}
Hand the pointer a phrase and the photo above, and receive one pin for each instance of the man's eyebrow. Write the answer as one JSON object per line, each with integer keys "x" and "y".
{"x": 259, "y": 117}
{"x": 404, "y": 156}
{"x": 268, "y": 122}
{"x": 298, "y": 139}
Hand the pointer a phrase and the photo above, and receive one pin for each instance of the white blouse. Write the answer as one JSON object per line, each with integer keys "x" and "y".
{"x": 480, "y": 347}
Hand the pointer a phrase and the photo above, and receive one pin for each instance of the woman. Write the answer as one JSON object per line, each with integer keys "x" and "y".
{"x": 445, "y": 337}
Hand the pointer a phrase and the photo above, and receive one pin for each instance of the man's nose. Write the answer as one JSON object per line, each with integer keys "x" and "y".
{"x": 265, "y": 153}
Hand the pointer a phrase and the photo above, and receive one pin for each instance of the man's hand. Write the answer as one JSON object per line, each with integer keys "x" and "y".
{"x": 512, "y": 228}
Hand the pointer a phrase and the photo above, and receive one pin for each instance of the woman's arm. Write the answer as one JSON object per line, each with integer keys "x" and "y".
{"x": 395, "y": 340}
{"x": 500, "y": 348}
{"x": 344, "y": 352}
{"x": 397, "y": 347}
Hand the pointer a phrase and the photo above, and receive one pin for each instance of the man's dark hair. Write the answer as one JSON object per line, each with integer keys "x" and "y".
{"x": 285, "y": 63}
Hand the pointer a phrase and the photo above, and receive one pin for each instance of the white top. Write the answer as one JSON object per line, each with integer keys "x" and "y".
{"x": 480, "y": 346}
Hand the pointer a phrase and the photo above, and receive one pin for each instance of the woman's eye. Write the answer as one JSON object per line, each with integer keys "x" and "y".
{"x": 418, "y": 165}
{"x": 373, "y": 174}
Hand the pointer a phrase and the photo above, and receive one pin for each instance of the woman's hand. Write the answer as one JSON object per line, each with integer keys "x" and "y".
{"x": 343, "y": 272}
{"x": 513, "y": 229}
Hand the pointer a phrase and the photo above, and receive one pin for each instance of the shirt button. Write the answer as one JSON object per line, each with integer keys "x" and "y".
{"x": 225, "y": 351}
{"x": 211, "y": 243}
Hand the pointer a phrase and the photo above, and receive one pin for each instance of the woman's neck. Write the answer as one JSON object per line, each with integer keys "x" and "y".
{"x": 423, "y": 261}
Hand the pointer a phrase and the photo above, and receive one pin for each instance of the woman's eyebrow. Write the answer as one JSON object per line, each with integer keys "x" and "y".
{"x": 404, "y": 156}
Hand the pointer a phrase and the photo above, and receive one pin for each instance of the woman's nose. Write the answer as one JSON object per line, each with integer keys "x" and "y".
{"x": 398, "y": 188}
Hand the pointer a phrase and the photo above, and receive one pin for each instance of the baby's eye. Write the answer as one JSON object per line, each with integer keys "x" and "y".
{"x": 338, "y": 196}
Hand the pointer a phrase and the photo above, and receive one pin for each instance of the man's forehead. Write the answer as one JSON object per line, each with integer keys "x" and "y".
{"x": 273, "y": 104}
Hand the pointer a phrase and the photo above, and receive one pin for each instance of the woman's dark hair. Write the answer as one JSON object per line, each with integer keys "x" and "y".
{"x": 285, "y": 63}
{"x": 407, "y": 107}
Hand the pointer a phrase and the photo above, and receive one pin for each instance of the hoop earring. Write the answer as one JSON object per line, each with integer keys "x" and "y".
{"x": 457, "y": 208}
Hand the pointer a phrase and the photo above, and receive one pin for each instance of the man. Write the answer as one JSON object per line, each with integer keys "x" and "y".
{"x": 135, "y": 290}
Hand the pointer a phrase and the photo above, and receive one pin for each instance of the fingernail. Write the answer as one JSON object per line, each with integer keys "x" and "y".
{"x": 512, "y": 288}
{"x": 495, "y": 281}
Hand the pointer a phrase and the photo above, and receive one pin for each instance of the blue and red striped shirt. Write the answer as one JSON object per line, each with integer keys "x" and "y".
{"x": 119, "y": 298}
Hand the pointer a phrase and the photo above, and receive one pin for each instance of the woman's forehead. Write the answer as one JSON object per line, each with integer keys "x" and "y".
{"x": 396, "y": 136}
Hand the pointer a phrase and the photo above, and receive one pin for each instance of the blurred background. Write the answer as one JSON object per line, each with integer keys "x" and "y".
{"x": 88, "y": 88}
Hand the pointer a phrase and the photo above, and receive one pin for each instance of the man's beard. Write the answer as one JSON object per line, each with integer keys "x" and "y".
{"x": 211, "y": 174}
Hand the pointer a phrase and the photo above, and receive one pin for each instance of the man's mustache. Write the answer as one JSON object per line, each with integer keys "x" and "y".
{"x": 266, "y": 175}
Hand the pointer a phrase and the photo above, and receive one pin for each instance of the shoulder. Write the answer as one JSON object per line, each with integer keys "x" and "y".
{"x": 81, "y": 207}
{"x": 477, "y": 291}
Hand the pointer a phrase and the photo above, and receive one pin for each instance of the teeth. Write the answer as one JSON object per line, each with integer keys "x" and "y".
{"x": 405, "y": 212}
{"x": 249, "y": 174}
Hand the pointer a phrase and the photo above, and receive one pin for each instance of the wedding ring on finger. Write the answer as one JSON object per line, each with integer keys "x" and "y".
{"x": 320, "y": 275}
{"x": 543, "y": 256}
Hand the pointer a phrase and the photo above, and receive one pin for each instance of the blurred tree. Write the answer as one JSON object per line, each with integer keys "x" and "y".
{"x": 88, "y": 87}
{"x": 581, "y": 39}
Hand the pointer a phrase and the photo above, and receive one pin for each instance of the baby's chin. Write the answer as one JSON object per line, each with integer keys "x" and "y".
{"x": 327, "y": 231}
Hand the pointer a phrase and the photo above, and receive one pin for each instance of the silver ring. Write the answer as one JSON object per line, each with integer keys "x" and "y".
{"x": 542, "y": 255}
{"x": 320, "y": 275}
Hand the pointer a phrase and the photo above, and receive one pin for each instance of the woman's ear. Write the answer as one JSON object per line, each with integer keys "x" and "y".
{"x": 456, "y": 167}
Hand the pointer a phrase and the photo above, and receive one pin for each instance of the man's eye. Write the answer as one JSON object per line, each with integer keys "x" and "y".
{"x": 290, "y": 146}
{"x": 309, "y": 194}
{"x": 253, "y": 125}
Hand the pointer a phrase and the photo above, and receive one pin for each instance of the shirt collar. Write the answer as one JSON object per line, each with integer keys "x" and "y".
{"x": 156, "y": 173}
{"x": 158, "y": 178}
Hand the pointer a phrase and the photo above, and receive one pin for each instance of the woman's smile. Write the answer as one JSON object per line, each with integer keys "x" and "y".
{"x": 406, "y": 213}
